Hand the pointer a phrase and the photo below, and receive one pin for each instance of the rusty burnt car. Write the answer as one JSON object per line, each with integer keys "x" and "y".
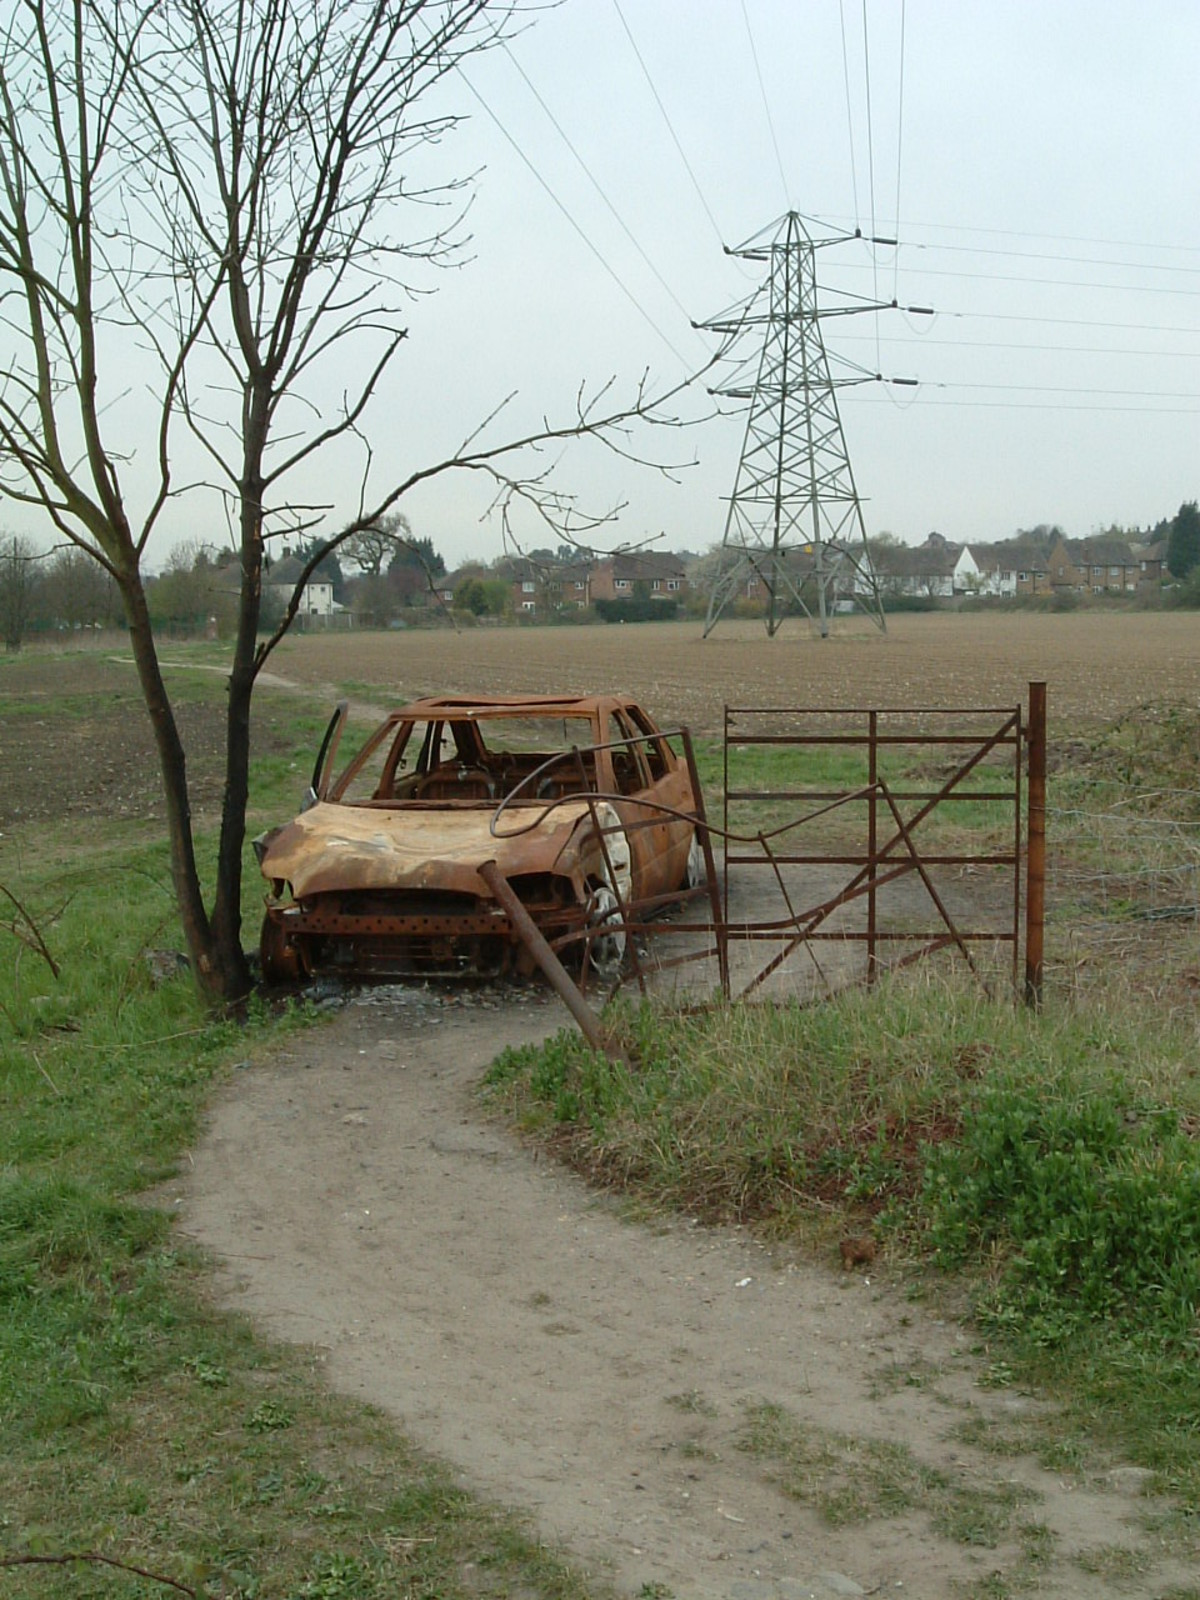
{"x": 583, "y": 804}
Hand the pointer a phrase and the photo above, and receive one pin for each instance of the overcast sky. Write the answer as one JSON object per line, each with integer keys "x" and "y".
{"x": 1042, "y": 172}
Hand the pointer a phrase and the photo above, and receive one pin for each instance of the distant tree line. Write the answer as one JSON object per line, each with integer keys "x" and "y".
{"x": 59, "y": 591}
{"x": 386, "y": 572}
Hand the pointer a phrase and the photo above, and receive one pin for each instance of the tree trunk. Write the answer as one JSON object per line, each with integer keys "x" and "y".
{"x": 207, "y": 969}
{"x": 227, "y": 905}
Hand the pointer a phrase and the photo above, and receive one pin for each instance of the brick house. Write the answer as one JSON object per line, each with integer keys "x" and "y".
{"x": 621, "y": 577}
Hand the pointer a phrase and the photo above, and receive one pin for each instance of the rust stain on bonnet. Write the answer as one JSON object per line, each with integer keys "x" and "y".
{"x": 348, "y": 847}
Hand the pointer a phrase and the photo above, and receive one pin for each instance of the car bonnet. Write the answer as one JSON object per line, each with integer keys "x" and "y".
{"x": 337, "y": 848}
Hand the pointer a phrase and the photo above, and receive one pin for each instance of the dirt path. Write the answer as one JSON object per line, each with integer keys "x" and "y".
{"x": 601, "y": 1374}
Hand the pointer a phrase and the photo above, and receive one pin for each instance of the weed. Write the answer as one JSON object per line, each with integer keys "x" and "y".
{"x": 851, "y": 1480}
{"x": 691, "y": 1400}
{"x": 1048, "y": 1161}
{"x": 137, "y": 1422}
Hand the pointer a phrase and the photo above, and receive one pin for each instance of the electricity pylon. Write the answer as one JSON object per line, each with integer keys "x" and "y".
{"x": 795, "y": 520}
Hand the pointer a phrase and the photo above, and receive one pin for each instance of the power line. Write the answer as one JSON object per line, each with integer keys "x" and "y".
{"x": 1062, "y": 388}
{"x": 611, "y": 271}
{"x": 1045, "y": 255}
{"x": 595, "y": 182}
{"x": 849, "y": 114}
{"x": 1068, "y": 322}
{"x": 870, "y": 156}
{"x": 1025, "y": 233}
{"x": 670, "y": 128}
{"x": 859, "y": 397}
{"x": 1053, "y": 283}
{"x": 899, "y": 143}
{"x": 762, "y": 89}
{"x": 920, "y": 341}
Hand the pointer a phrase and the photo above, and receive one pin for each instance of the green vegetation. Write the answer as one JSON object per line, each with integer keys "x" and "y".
{"x": 1045, "y": 1167}
{"x": 140, "y": 1425}
{"x": 852, "y": 1480}
{"x": 1048, "y": 1161}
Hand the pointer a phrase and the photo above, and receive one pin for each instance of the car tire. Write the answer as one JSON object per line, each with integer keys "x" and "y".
{"x": 605, "y": 950}
{"x": 695, "y": 873}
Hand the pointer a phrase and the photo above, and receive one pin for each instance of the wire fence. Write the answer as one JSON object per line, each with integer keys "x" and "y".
{"x": 1115, "y": 863}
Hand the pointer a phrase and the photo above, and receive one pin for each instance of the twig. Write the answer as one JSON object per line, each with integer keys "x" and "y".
{"x": 46, "y": 1075}
{"x": 96, "y": 1560}
{"x": 33, "y": 938}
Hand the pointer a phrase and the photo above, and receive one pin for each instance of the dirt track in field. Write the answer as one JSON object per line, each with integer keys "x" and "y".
{"x": 99, "y": 761}
{"x": 600, "y": 1375}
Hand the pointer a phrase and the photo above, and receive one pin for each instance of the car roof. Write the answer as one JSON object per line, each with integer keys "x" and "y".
{"x": 485, "y": 705}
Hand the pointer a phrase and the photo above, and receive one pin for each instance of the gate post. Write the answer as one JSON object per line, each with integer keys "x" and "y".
{"x": 1035, "y": 864}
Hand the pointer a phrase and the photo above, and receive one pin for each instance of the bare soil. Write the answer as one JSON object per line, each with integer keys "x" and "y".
{"x": 100, "y": 759}
{"x": 1097, "y": 664}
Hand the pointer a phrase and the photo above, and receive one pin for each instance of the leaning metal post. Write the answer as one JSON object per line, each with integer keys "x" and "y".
{"x": 561, "y": 981}
{"x": 1035, "y": 869}
{"x": 710, "y": 865}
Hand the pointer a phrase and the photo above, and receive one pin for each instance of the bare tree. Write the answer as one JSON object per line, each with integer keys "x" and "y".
{"x": 230, "y": 184}
{"x": 20, "y": 579}
{"x": 374, "y": 547}
{"x": 77, "y": 592}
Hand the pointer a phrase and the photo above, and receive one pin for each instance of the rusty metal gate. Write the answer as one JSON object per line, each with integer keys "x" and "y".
{"x": 893, "y": 833}
{"x": 884, "y": 835}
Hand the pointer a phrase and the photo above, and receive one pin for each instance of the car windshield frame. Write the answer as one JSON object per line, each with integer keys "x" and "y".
{"x": 460, "y": 736}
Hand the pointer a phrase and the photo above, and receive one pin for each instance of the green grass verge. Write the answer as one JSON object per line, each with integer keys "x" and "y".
{"x": 1049, "y": 1163}
{"x": 140, "y": 1424}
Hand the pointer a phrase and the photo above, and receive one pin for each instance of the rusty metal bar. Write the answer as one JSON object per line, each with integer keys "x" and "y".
{"x": 1022, "y": 733}
{"x": 862, "y": 711}
{"x": 872, "y": 841}
{"x": 710, "y": 864}
{"x": 1035, "y": 868}
{"x": 560, "y": 979}
{"x": 925, "y": 878}
{"x": 899, "y": 854}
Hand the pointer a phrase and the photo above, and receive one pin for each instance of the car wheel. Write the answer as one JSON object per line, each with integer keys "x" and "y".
{"x": 694, "y": 874}
{"x": 606, "y": 945}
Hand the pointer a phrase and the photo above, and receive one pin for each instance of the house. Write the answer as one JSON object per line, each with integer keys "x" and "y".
{"x": 1151, "y": 558}
{"x": 938, "y": 569}
{"x": 316, "y": 602}
{"x": 632, "y": 575}
{"x": 1101, "y": 565}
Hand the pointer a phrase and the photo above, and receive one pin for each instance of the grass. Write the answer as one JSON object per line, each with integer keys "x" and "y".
{"x": 141, "y": 1425}
{"x": 849, "y": 1480}
{"x": 1046, "y": 1164}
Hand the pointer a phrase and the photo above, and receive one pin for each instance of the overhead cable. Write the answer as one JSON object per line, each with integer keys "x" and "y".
{"x": 762, "y": 89}
{"x": 1025, "y": 233}
{"x": 1053, "y": 283}
{"x": 670, "y": 128}
{"x": 870, "y": 155}
{"x": 872, "y": 395}
{"x": 899, "y": 148}
{"x": 849, "y": 115}
{"x": 611, "y": 271}
{"x": 595, "y": 182}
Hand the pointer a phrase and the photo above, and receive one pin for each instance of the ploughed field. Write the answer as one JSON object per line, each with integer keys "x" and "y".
{"x": 81, "y": 746}
{"x": 1097, "y": 664}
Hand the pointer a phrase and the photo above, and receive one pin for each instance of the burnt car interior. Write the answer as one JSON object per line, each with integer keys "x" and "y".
{"x": 473, "y": 760}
